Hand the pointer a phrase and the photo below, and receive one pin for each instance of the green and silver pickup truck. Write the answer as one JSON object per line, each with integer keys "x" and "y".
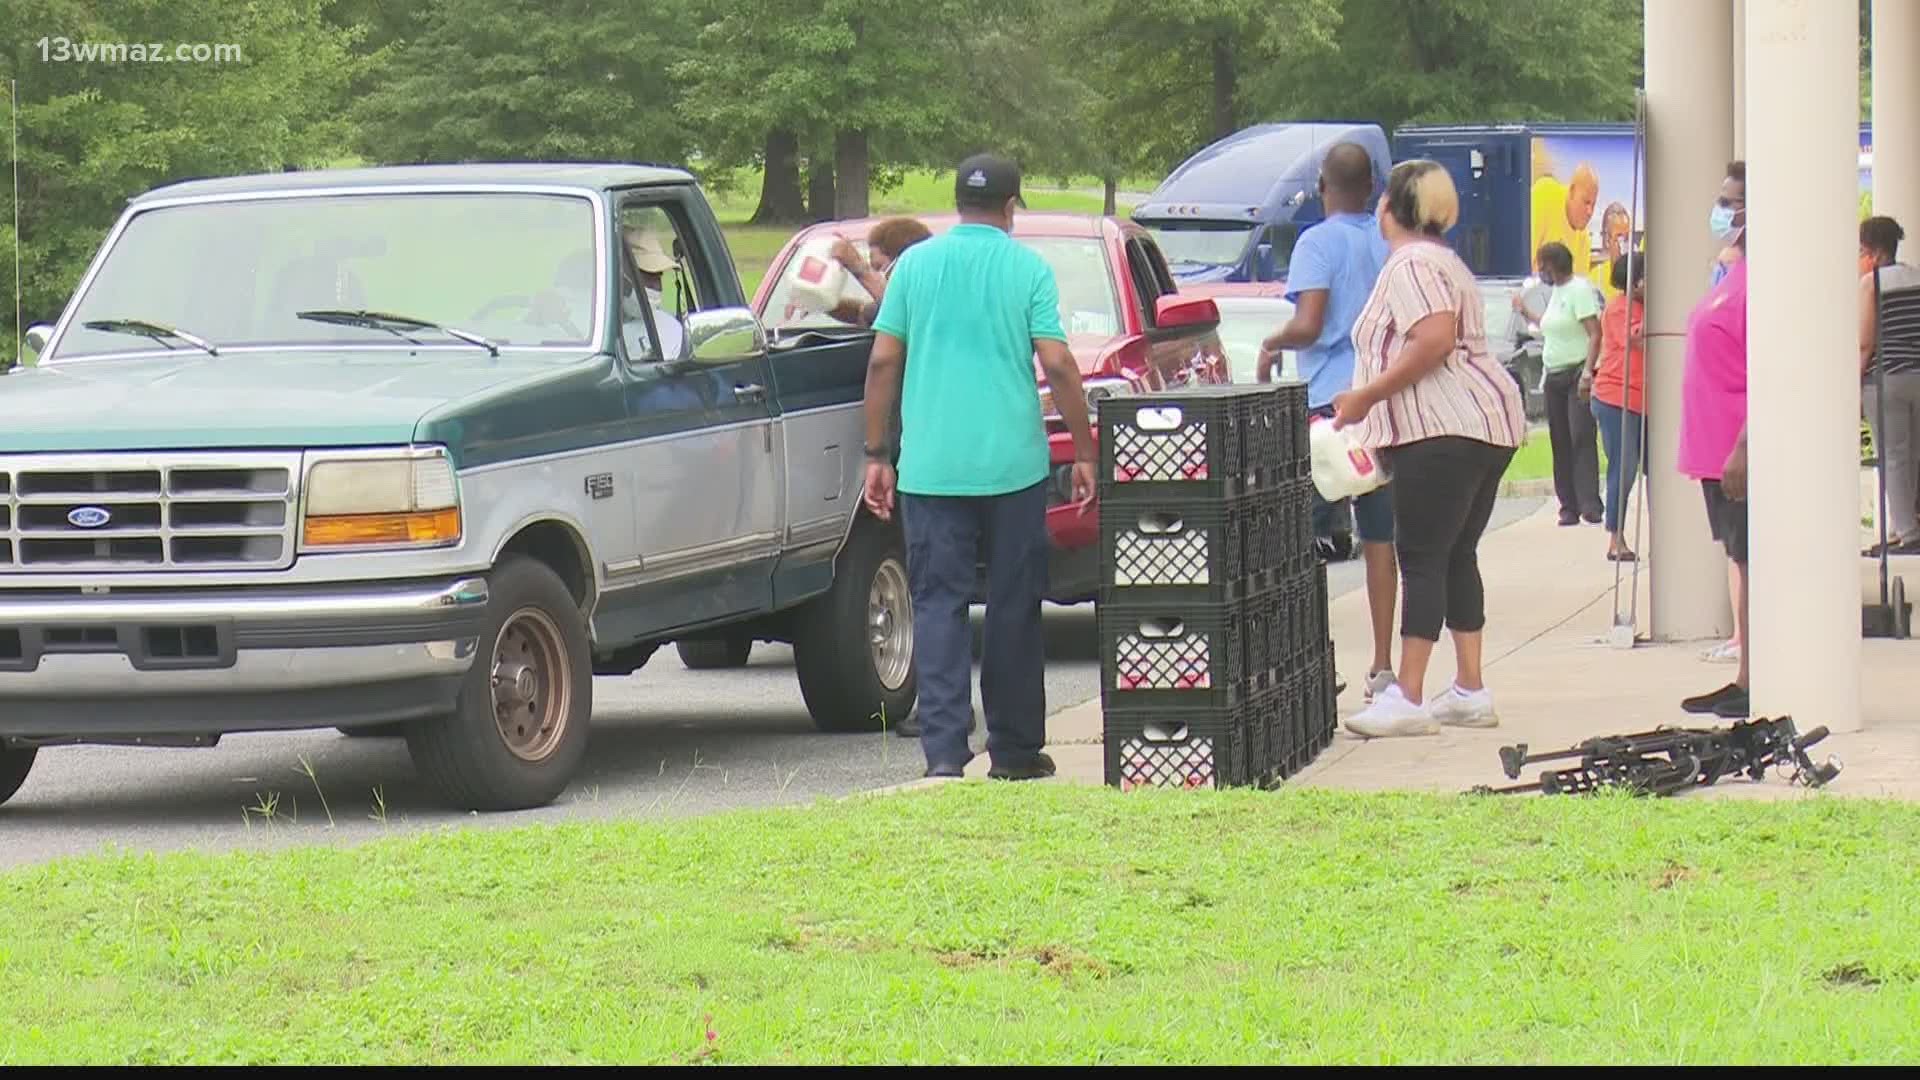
{"x": 425, "y": 449}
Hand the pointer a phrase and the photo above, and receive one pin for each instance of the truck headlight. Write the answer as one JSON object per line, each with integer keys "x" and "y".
{"x": 407, "y": 498}
{"x": 1095, "y": 389}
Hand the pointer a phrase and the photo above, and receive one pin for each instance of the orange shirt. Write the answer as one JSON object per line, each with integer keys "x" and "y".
{"x": 1610, "y": 375}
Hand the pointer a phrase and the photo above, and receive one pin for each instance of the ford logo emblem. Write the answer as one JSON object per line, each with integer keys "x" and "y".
{"x": 88, "y": 517}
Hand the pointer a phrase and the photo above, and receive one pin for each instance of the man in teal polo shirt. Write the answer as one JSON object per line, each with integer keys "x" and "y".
{"x": 975, "y": 308}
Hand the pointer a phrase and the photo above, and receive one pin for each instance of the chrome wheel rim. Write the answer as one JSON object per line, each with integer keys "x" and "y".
{"x": 532, "y": 695}
{"x": 890, "y": 625}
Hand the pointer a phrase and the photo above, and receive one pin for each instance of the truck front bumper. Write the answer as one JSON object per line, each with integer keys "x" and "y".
{"x": 191, "y": 662}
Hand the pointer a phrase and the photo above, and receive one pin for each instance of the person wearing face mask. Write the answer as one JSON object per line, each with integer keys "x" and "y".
{"x": 1713, "y": 440}
{"x": 1728, "y": 219}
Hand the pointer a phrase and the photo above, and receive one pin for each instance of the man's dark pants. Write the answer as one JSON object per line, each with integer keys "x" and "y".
{"x": 947, "y": 537}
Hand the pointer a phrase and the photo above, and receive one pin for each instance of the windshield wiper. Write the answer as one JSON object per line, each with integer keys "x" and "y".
{"x": 157, "y": 331}
{"x": 394, "y": 324}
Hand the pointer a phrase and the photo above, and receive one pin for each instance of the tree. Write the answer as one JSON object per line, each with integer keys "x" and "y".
{"x": 873, "y": 83}
{"x": 1177, "y": 76}
{"x": 530, "y": 80}
{"x": 93, "y": 133}
{"x": 1478, "y": 61}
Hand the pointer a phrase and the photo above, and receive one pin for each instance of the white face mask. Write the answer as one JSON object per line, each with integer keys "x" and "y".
{"x": 1720, "y": 222}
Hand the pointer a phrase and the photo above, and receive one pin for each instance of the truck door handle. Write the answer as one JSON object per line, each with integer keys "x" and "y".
{"x": 750, "y": 392}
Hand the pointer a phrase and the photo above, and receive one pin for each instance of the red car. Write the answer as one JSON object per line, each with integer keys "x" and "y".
{"x": 1126, "y": 323}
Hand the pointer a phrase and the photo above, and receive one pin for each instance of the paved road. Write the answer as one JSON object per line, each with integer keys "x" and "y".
{"x": 666, "y": 742}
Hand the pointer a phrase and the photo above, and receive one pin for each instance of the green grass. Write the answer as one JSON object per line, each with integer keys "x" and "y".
{"x": 1005, "y": 924}
{"x": 1534, "y": 459}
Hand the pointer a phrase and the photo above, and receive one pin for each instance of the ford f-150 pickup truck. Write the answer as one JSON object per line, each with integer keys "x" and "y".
{"x": 425, "y": 448}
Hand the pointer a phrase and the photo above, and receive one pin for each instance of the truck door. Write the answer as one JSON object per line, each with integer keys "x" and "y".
{"x": 701, "y": 468}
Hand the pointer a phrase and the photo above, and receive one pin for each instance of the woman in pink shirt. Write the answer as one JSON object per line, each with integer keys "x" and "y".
{"x": 1446, "y": 418}
{"x": 1713, "y": 424}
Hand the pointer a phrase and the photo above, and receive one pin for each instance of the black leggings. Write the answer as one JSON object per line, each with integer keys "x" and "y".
{"x": 1443, "y": 493}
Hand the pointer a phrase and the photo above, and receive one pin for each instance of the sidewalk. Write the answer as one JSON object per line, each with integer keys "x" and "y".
{"x": 1557, "y": 681}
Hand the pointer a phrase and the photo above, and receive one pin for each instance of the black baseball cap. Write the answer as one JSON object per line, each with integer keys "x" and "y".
{"x": 987, "y": 181}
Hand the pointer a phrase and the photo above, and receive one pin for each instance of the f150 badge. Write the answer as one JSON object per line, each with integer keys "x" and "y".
{"x": 88, "y": 517}
{"x": 600, "y": 485}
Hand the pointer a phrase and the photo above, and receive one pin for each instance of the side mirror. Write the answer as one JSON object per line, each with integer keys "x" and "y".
{"x": 1175, "y": 311}
{"x": 725, "y": 336}
{"x": 37, "y": 337}
{"x": 1263, "y": 260}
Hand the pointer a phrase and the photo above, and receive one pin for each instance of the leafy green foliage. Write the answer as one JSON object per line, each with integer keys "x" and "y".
{"x": 94, "y": 133}
{"x": 529, "y": 80}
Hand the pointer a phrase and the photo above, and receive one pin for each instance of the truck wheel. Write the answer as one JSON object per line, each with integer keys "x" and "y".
{"x": 714, "y": 654}
{"x": 14, "y": 767}
{"x": 519, "y": 728}
{"x": 854, "y": 648}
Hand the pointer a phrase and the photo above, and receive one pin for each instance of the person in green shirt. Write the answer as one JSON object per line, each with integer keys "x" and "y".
{"x": 1570, "y": 346}
{"x": 975, "y": 308}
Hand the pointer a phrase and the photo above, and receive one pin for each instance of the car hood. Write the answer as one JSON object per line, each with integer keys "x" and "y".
{"x": 246, "y": 400}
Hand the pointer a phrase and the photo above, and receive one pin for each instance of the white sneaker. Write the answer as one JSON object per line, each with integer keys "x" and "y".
{"x": 1390, "y": 715}
{"x": 1727, "y": 652}
{"x": 1376, "y": 683}
{"x": 1465, "y": 708}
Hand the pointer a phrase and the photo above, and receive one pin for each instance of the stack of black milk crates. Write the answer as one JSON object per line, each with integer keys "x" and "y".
{"x": 1212, "y": 618}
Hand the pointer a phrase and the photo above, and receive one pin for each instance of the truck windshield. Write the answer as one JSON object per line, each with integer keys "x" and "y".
{"x": 1203, "y": 243}
{"x": 518, "y": 269}
{"x": 1087, "y": 301}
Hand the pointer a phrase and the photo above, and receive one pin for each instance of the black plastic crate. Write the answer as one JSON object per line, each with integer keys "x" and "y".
{"x": 1283, "y": 729}
{"x": 1209, "y": 551}
{"x": 1158, "y": 655}
{"x": 1170, "y": 750}
{"x": 1199, "y": 440}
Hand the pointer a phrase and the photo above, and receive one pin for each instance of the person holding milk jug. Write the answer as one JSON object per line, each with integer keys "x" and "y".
{"x": 1444, "y": 418}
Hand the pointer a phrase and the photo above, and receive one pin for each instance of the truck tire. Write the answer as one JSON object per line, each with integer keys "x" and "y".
{"x": 519, "y": 728}
{"x": 854, "y": 647}
{"x": 715, "y": 654}
{"x": 14, "y": 767}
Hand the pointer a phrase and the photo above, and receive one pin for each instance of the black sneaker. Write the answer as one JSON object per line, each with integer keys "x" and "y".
{"x": 1709, "y": 704}
{"x": 1039, "y": 767}
{"x": 1733, "y": 706}
{"x": 1567, "y": 519}
{"x": 945, "y": 772}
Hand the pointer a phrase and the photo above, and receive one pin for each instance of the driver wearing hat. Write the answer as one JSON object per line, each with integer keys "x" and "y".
{"x": 652, "y": 262}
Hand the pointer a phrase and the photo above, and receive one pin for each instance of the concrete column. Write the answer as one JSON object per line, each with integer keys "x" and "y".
{"x": 1739, "y": 78}
{"x": 1689, "y": 77}
{"x": 1896, "y": 112}
{"x": 1803, "y": 388}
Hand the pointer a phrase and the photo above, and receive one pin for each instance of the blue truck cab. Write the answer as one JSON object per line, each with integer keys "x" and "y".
{"x": 1233, "y": 211}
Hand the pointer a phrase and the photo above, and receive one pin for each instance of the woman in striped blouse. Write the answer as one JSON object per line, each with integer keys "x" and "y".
{"x": 1446, "y": 418}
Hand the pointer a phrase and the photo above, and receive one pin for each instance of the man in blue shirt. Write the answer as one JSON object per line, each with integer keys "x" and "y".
{"x": 1331, "y": 274}
{"x": 975, "y": 308}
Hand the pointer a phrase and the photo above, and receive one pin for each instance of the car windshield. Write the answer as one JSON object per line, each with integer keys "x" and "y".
{"x": 518, "y": 269}
{"x": 1245, "y": 321}
{"x": 1087, "y": 301}
{"x": 1202, "y": 245}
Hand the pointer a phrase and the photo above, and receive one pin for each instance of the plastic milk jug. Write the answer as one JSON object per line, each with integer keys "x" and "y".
{"x": 819, "y": 281}
{"x": 1342, "y": 468}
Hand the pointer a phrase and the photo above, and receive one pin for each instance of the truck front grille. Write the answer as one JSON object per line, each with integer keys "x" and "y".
{"x": 79, "y": 513}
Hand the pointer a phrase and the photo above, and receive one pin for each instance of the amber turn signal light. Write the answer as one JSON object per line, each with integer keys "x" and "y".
{"x": 422, "y": 528}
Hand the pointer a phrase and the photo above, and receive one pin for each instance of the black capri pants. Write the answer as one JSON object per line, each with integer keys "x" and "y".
{"x": 1443, "y": 493}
